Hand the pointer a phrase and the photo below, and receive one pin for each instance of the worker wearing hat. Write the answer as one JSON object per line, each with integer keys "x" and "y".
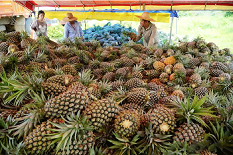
{"x": 147, "y": 30}
{"x": 72, "y": 28}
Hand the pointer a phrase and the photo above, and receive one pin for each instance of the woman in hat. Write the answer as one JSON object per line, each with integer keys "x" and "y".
{"x": 39, "y": 26}
{"x": 147, "y": 30}
{"x": 72, "y": 28}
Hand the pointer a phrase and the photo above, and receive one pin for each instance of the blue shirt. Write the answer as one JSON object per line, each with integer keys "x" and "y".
{"x": 73, "y": 32}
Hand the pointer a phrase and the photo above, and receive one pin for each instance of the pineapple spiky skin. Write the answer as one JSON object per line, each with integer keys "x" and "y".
{"x": 162, "y": 119}
{"x": 152, "y": 86}
{"x": 164, "y": 77}
{"x": 73, "y": 60}
{"x": 194, "y": 62}
{"x": 127, "y": 123}
{"x": 137, "y": 74}
{"x": 109, "y": 76}
{"x": 137, "y": 47}
{"x": 52, "y": 89}
{"x": 206, "y": 152}
{"x": 4, "y": 46}
{"x": 69, "y": 69}
{"x": 121, "y": 73}
{"x": 59, "y": 62}
{"x": 7, "y": 113}
{"x": 216, "y": 72}
{"x": 168, "y": 69}
{"x": 189, "y": 133}
{"x": 178, "y": 93}
{"x": 201, "y": 91}
{"x": 170, "y": 60}
{"x": 139, "y": 97}
{"x": 101, "y": 112}
{"x": 195, "y": 80}
{"x": 72, "y": 100}
{"x": 36, "y": 142}
{"x": 1, "y": 69}
{"x": 224, "y": 77}
{"x": 134, "y": 83}
{"x": 127, "y": 62}
{"x": 220, "y": 66}
{"x": 159, "y": 66}
{"x": 64, "y": 80}
{"x": 49, "y": 72}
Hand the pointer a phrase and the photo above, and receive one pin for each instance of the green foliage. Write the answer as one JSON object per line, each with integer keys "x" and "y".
{"x": 55, "y": 32}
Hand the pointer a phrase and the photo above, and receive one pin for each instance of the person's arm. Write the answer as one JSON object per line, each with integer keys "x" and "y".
{"x": 139, "y": 36}
{"x": 152, "y": 37}
{"x": 34, "y": 25}
{"x": 66, "y": 31}
{"x": 80, "y": 31}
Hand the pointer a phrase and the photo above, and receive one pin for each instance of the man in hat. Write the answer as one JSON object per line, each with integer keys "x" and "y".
{"x": 147, "y": 30}
{"x": 72, "y": 28}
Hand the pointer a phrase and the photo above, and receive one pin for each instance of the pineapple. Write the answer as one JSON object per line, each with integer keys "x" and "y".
{"x": 4, "y": 46}
{"x": 219, "y": 66}
{"x": 73, "y": 60}
{"x": 75, "y": 136}
{"x": 152, "y": 73}
{"x": 201, "y": 92}
{"x": 189, "y": 133}
{"x": 127, "y": 62}
{"x": 72, "y": 100}
{"x": 127, "y": 123}
{"x": 195, "y": 80}
{"x": 152, "y": 86}
{"x": 224, "y": 77}
{"x": 26, "y": 40}
{"x": 168, "y": 69}
{"x": 159, "y": 66}
{"x": 37, "y": 142}
{"x": 139, "y": 97}
{"x": 216, "y": 72}
{"x": 1, "y": 69}
{"x": 134, "y": 83}
{"x": 162, "y": 119}
{"x": 194, "y": 62}
{"x": 109, "y": 76}
{"x": 7, "y": 113}
{"x": 206, "y": 152}
{"x": 178, "y": 93}
{"x": 101, "y": 112}
{"x": 170, "y": 60}
{"x": 137, "y": 47}
{"x": 121, "y": 73}
{"x": 59, "y": 62}
{"x": 94, "y": 64}
{"x": 69, "y": 69}
{"x": 117, "y": 84}
{"x": 64, "y": 80}
{"x": 52, "y": 89}
{"x": 164, "y": 77}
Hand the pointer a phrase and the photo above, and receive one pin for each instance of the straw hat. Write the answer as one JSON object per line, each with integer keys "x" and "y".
{"x": 69, "y": 17}
{"x": 146, "y": 16}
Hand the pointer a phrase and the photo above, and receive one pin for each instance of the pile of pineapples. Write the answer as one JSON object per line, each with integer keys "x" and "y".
{"x": 79, "y": 98}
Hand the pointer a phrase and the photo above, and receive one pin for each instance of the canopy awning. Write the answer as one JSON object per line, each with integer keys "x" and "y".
{"x": 10, "y": 8}
{"x": 133, "y": 4}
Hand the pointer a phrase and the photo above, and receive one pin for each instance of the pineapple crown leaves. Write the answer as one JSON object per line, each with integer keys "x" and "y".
{"x": 65, "y": 133}
{"x": 85, "y": 77}
{"x": 124, "y": 145}
{"x": 17, "y": 87}
{"x": 24, "y": 35}
{"x": 28, "y": 122}
{"x": 2, "y": 36}
{"x": 203, "y": 72}
{"x": 178, "y": 148}
{"x": 14, "y": 148}
{"x": 138, "y": 68}
{"x": 221, "y": 137}
{"x": 152, "y": 142}
{"x": 96, "y": 151}
{"x": 6, "y": 139}
{"x": 193, "y": 110}
{"x": 104, "y": 86}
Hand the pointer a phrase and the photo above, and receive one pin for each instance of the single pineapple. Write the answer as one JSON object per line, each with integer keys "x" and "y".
{"x": 109, "y": 76}
{"x": 170, "y": 60}
{"x": 121, "y": 73}
{"x": 64, "y": 80}
{"x": 194, "y": 62}
{"x": 159, "y": 66}
{"x": 70, "y": 101}
{"x": 117, "y": 84}
{"x": 127, "y": 62}
{"x": 178, "y": 93}
{"x": 7, "y": 113}
{"x": 168, "y": 69}
{"x": 59, "y": 62}
{"x": 127, "y": 123}
{"x": 69, "y": 69}
{"x": 206, "y": 152}
{"x": 195, "y": 80}
{"x": 134, "y": 83}
{"x": 26, "y": 40}
{"x": 201, "y": 91}
{"x": 216, "y": 72}
{"x": 219, "y": 66}
{"x": 164, "y": 77}
{"x": 138, "y": 96}
{"x": 224, "y": 77}
{"x": 191, "y": 133}
{"x": 101, "y": 112}
{"x": 52, "y": 89}
{"x": 4, "y": 46}
{"x": 37, "y": 142}
{"x": 162, "y": 119}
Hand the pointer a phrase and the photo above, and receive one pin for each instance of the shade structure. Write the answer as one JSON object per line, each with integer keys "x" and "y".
{"x": 133, "y": 4}
{"x": 11, "y": 8}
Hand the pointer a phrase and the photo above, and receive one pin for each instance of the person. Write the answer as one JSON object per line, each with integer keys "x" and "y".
{"x": 147, "y": 30}
{"x": 72, "y": 28}
{"x": 39, "y": 26}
